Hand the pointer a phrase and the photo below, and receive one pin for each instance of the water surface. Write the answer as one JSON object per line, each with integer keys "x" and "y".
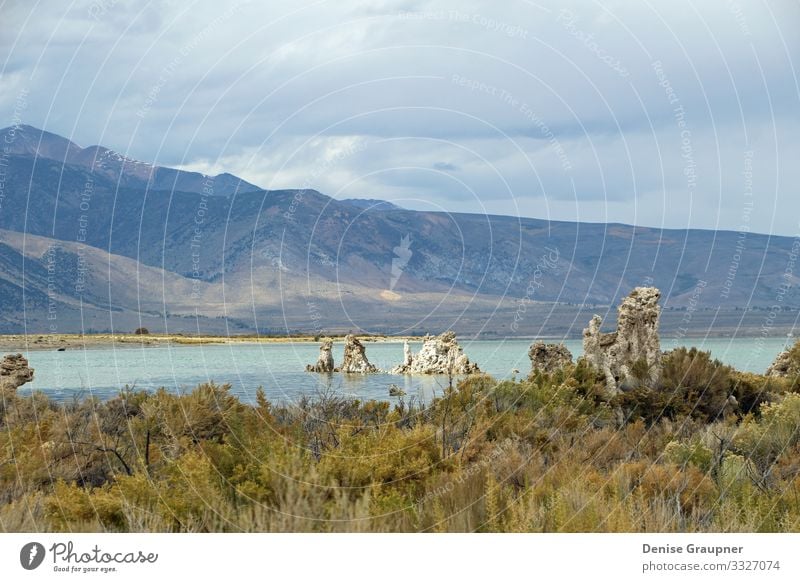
{"x": 279, "y": 367}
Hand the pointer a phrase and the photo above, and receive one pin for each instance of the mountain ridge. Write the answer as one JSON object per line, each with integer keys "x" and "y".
{"x": 127, "y": 172}
{"x": 368, "y": 263}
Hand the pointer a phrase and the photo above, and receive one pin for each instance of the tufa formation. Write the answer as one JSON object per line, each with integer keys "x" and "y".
{"x": 438, "y": 355}
{"x": 636, "y": 341}
{"x": 355, "y": 358}
{"x": 325, "y": 361}
{"x": 14, "y": 372}
{"x": 548, "y": 358}
{"x": 786, "y": 363}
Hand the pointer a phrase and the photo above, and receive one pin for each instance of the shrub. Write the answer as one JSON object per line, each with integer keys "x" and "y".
{"x": 695, "y": 384}
{"x": 753, "y": 390}
{"x": 649, "y": 405}
{"x": 588, "y": 382}
{"x": 763, "y": 440}
{"x": 141, "y": 331}
{"x": 537, "y": 455}
{"x": 209, "y": 412}
{"x": 685, "y": 454}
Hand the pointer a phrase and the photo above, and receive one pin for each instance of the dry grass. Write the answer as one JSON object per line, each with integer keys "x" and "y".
{"x": 547, "y": 454}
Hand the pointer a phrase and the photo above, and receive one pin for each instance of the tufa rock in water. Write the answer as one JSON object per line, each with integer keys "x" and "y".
{"x": 325, "y": 361}
{"x": 548, "y": 358}
{"x": 355, "y": 358}
{"x": 786, "y": 363}
{"x": 407, "y": 357}
{"x": 438, "y": 355}
{"x": 635, "y": 340}
{"x": 395, "y": 390}
{"x": 14, "y": 372}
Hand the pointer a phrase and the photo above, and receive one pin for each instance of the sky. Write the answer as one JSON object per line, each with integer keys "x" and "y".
{"x": 672, "y": 114}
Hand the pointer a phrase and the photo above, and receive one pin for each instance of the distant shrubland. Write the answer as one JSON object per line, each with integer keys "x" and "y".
{"x": 703, "y": 448}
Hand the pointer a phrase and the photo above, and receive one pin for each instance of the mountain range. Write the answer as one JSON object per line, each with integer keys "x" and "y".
{"x": 91, "y": 240}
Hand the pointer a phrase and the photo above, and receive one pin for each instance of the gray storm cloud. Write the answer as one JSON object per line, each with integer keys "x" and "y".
{"x": 648, "y": 113}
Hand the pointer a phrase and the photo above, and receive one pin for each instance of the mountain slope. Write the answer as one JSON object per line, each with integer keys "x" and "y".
{"x": 25, "y": 140}
{"x": 264, "y": 256}
{"x": 306, "y": 233}
{"x": 56, "y": 286}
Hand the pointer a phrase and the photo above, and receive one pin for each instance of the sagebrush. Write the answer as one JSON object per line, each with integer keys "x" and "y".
{"x": 705, "y": 449}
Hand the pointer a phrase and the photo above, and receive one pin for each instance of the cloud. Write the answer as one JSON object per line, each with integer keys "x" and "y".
{"x": 560, "y": 110}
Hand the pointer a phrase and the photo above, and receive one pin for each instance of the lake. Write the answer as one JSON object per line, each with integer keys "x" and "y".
{"x": 280, "y": 367}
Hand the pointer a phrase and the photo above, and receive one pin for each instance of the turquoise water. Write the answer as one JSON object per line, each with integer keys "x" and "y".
{"x": 279, "y": 367}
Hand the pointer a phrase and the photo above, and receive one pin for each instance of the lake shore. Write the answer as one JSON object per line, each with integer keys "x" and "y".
{"x": 36, "y": 342}
{"x": 68, "y": 341}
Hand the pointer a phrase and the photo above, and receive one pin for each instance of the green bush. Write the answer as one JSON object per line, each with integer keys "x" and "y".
{"x": 683, "y": 454}
{"x": 753, "y": 390}
{"x": 696, "y": 384}
{"x": 763, "y": 440}
{"x": 543, "y": 454}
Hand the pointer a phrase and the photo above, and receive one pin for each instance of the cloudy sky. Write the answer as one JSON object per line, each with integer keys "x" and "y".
{"x": 668, "y": 113}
